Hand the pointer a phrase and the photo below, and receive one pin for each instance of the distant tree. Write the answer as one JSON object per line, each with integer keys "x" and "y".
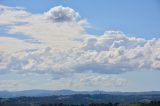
{"x": 116, "y": 104}
{"x": 43, "y": 104}
{"x": 110, "y": 104}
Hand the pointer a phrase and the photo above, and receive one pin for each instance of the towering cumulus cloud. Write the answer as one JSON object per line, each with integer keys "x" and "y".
{"x": 62, "y": 14}
{"x": 65, "y": 49}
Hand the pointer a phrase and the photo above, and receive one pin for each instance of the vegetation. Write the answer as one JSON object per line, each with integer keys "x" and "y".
{"x": 152, "y": 103}
{"x": 108, "y": 104}
{"x": 84, "y": 100}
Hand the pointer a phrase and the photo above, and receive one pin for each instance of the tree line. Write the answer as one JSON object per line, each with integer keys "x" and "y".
{"x": 152, "y": 103}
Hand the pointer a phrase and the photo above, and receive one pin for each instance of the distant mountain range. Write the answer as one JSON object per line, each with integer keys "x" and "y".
{"x": 41, "y": 93}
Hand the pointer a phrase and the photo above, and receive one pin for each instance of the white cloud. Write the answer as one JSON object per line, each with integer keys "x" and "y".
{"x": 85, "y": 81}
{"x": 93, "y": 80}
{"x": 10, "y": 45}
{"x": 65, "y": 49}
{"x": 12, "y": 15}
{"x": 112, "y": 60}
{"x": 62, "y": 14}
{"x": 112, "y": 39}
{"x": 44, "y": 27}
{"x": 118, "y": 53}
{"x": 81, "y": 81}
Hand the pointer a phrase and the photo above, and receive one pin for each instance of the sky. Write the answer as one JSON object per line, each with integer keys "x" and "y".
{"x": 80, "y": 45}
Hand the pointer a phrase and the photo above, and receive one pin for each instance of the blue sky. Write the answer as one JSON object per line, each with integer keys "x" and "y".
{"x": 126, "y": 58}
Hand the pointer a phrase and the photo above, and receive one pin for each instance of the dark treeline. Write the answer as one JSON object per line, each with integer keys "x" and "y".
{"x": 92, "y": 104}
{"x": 152, "y": 103}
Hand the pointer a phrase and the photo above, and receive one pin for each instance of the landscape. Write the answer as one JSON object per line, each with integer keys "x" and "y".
{"x": 75, "y": 98}
{"x": 79, "y": 53}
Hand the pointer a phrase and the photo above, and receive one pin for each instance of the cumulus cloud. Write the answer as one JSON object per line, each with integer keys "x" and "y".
{"x": 110, "y": 60}
{"x": 112, "y": 39}
{"x": 60, "y": 26}
{"x": 62, "y": 14}
{"x": 65, "y": 49}
{"x": 120, "y": 53}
